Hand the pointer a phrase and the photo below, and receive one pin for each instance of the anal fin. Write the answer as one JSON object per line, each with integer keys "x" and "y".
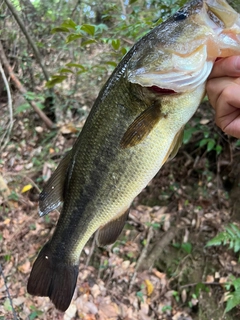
{"x": 142, "y": 126}
{"x": 176, "y": 144}
{"x": 109, "y": 233}
{"x": 52, "y": 194}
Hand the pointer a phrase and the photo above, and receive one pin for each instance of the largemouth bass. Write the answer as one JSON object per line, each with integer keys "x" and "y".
{"x": 134, "y": 127}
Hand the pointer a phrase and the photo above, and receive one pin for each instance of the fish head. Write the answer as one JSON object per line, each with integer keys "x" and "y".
{"x": 178, "y": 54}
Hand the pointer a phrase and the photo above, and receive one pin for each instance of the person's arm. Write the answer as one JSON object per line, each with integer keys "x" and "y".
{"x": 223, "y": 89}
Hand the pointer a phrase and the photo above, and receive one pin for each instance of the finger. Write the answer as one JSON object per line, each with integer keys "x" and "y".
{"x": 228, "y": 111}
{"x": 216, "y": 86}
{"x": 226, "y": 67}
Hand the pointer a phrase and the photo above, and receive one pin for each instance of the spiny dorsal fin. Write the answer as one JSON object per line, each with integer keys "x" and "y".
{"x": 109, "y": 233}
{"x": 142, "y": 126}
{"x": 52, "y": 195}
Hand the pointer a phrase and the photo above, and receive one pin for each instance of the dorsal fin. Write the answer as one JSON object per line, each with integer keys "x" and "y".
{"x": 109, "y": 233}
{"x": 52, "y": 194}
{"x": 142, "y": 126}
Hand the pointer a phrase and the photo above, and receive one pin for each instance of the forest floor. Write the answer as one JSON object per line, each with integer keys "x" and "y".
{"x": 160, "y": 267}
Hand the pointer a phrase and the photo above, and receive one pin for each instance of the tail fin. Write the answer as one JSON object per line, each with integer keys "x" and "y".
{"x": 54, "y": 278}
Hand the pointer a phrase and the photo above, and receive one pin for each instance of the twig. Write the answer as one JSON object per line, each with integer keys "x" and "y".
{"x": 142, "y": 256}
{"x": 196, "y": 283}
{"x": 25, "y": 177}
{"x": 10, "y": 125}
{"x": 8, "y": 294}
{"x": 22, "y": 89}
{"x": 24, "y": 30}
{"x": 75, "y": 8}
{"x": 124, "y": 11}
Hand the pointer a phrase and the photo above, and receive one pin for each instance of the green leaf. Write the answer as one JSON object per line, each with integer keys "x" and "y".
{"x": 187, "y": 247}
{"x": 59, "y": 29}
{"x": 210, "y": 145}
{"x": 7, "y": 305}
{"x": 218, "y": 149}
{"x": 111, "y": 63}
{"x": 139, "y": 294}
{"x": 22, "y": 107}
{"x": 233, "y": 300}
{"x": 124, "y": 50}
{"x": 88, "y": 28}
{"x": 69, "y": 23}
{"x": 203, "y": 142}
{"x": 115, "y": 44}
{"x": 217, "y": 241}
{"x": 55, "y": 80}
{"x": 84, "y": 43}
{"x": 64, "y": 70}
{"x": 187, "y": 135}
{"x": 73, "y": 37}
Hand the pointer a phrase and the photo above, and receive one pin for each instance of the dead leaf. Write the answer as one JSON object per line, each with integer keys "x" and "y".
{"x": 24, "y": 268}
{"x": 149, "y": 287}
{"x": 26, "y": 188}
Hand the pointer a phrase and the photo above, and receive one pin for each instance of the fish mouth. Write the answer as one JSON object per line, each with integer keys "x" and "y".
{"x": 162, "y": 91}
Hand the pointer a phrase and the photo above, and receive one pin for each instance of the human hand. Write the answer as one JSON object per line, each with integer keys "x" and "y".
{"x": 223, "y": 90}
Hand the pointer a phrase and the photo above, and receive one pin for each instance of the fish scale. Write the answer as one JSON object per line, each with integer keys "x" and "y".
{"x": 134, "y": 127}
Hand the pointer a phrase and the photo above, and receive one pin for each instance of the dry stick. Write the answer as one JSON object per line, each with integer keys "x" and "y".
{"x": 24, "y": 30}
{"x": 21, "y": 88}
{"x": 9, "y": 129}
{"x": 8, "y": 294}
{"x": 142, "y": 256}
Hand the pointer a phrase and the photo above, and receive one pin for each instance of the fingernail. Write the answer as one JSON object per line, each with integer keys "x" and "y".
{"x": 237, "y": 63}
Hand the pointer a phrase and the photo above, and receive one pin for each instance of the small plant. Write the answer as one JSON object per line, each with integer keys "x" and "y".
{"x": 230, "y": 236}
{"x": 185, "y": 246}
{"x": 233, "y": 293}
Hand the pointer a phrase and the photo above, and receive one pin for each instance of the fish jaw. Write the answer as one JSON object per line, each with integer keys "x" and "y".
{"x": 209, "y": 31}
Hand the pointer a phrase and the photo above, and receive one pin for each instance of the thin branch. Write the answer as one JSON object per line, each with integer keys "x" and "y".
{"x": 22, "y": 89}
{"x": 78, "y": 3}
{"x": 142, "y": 256}
{"x": 8, "y": 294}
{"x": 31, "y": 42}
{"x": 205, "y": 283}
{"x": 10, "y": 125}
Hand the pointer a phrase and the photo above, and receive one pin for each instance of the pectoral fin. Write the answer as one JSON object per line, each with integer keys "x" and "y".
{"x": 109, "y": 233}
{"x": 142, "y": 126}
{"x": 52, "y": 195}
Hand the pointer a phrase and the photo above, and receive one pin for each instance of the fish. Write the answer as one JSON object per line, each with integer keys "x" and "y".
{"x": 135, "y": 125}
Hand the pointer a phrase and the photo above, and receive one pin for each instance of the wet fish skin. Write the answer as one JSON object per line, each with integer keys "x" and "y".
{"x": 132, "y": 130}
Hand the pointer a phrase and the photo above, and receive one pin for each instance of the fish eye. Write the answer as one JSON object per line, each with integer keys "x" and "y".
{"x": 180, "y": 15}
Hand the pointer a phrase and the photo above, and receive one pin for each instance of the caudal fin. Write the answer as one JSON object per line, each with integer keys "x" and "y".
{"x": 53, "y": 278}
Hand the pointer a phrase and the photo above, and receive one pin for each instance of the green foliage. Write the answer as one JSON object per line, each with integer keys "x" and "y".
{"x": 232, "y": 297}
{"x": 230, "y": 236}
{"x": 185, "y": 246}
{"x": 35, "y": 313}
{"x": 208, "y": 140}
